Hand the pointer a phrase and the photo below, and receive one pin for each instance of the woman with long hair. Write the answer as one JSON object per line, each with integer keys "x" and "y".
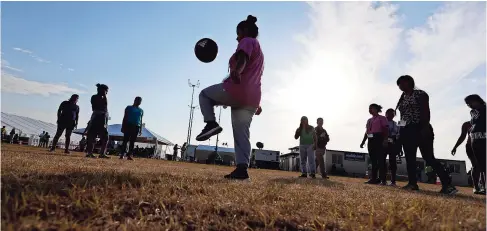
{"x": 478, "y": 133}
{"x": 417, "y": 132}
{"x": 474, "y": 174}
{"x": 376, "y": 133}
{"x": 306, "y": 135}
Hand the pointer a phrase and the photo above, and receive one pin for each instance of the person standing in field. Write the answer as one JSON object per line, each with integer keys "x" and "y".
{"x": 67, "y": 119}
{"x": 41, "y": 139}
{"x": 321, "y": 140}
{"x": 306, "y": 135}
{"x": 11, "y": 137}
{"x": 393, "y": 146}
{"x": 241, "y": 91}
{"x": 97, "y": 126}
{"x": 478, "y": 134}
{"x": 474, "y": 173}
{"x": 376, "y": 132}
{"x": 417, "y": 132}
{"x": 131, "y": 127}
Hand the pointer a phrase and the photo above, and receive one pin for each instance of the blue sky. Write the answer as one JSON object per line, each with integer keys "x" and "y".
{"x": 322, "y": 59}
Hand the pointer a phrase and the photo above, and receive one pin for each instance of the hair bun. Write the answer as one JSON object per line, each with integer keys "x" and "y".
{"x": 251, "y": 19}
{"x": 98, "y": 85}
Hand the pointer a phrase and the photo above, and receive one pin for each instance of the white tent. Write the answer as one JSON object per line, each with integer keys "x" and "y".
{"x": 148, "y": 136}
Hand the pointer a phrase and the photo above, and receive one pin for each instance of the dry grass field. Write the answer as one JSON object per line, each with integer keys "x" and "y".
{"x": 53, "y": 191}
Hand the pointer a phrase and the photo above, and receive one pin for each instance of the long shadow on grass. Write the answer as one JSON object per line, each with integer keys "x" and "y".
{"x": 318, "y": 182}
{"x": 456, "y": 196}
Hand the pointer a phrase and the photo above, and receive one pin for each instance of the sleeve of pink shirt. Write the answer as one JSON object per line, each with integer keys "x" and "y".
{"x": 383, "y": 121}
{"x": 246, "y": 45}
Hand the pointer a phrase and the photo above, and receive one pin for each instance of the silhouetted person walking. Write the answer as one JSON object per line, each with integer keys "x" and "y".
{"x": 67, "y": 120}
{"x": 417, "y": 132}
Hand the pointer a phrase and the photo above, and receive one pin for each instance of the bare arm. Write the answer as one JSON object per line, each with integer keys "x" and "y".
{"x": 77, "y": 116}
{"x": 298, "y": 133}
{"x": 241, "y": 58}
{"x": 463, "y": 135}
{"x": 365, "y": 138}
{"x": 425, "y": 109}
{"x": 60, "y": 110}
{"x": 125, "y": 116}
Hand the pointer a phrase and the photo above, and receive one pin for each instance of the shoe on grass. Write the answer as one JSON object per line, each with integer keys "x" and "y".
{"x": 304, "y": 175}
{"x": 449, "y": 190}
{"x": 240, "y": 173}
{"x": 103, "y": 156}
{"x": 411, "y": 187}
{"x": 90, "y": 155}
{"x": 211, "y": 129}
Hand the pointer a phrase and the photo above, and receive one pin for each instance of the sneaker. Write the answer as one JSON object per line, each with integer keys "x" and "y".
{"x": 211, "y": 129}
{"x": 304, "y": 175}
{"x": 67, "y": 152}
{"x": 325, "y": 176}
{"x": 103, "y": 156}
{"x": 90, "y": 156}
{"x": 240, "y": 173}
{"x": 52, "y": 150}
{"x": 449, "y": 190}
{"x": 393, "y": 184}
{"x": 480, "y": 192}
{"x": 383, "y": 183}
{"x": 372, "y": 182}
{"x": 121, "y": 157}
{"x": 411, "y": 187}
{"x": 312, "y": 176}
{"x": 129, "y": 158}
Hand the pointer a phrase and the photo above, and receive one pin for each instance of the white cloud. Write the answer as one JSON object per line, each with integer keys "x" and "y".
{"x": 6, "y": 65}
{"x": 18, "y": 85}
{"x": 22, "y": 50}
{"x": 346, "y": 50}
{"x": 70, "y": 69}
{"x": 32, "y": 55}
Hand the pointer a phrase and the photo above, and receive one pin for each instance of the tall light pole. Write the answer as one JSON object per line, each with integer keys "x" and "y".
{"x": 191, "y": 110}
{"x": 219, "y": 117}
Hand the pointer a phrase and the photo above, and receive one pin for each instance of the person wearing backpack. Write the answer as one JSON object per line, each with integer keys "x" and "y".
{"x": 321, "y": 140}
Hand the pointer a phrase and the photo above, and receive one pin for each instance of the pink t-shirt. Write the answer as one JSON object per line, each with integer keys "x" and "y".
{"x": 376, "y": 124}
{"x": 248, "y": 92}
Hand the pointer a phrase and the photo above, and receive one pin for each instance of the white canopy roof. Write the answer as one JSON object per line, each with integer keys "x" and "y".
{"x": 148, "y": 136}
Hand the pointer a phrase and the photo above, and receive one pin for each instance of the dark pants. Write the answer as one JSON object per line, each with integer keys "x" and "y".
{"x": 412, "y": 139}
{"x": 376, "y": 152}
{"x": 392, "y": 150}
{"x": 130, "y": 134}
{"x": 479, "y": 151}
{"x": 97, "y": 127}
{"x": 475, "y": 174}
{"x": 60, "y": 129}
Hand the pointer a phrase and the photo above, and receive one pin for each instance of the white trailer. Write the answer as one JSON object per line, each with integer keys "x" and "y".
{"x": 268, "y": 159}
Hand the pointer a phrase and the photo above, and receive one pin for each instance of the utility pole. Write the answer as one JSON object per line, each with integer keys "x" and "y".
{"x": 191, "y": 111}
{"x": 219, "y": 117}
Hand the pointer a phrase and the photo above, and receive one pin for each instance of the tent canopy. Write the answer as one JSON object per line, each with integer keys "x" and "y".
{"x": 148, "y": 136}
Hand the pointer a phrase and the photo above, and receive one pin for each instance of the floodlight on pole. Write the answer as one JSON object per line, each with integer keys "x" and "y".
{"x": 188, "y": 138}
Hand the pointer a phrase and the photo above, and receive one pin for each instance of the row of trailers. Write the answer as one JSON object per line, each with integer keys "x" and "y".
{"x": 206, "y": 154}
